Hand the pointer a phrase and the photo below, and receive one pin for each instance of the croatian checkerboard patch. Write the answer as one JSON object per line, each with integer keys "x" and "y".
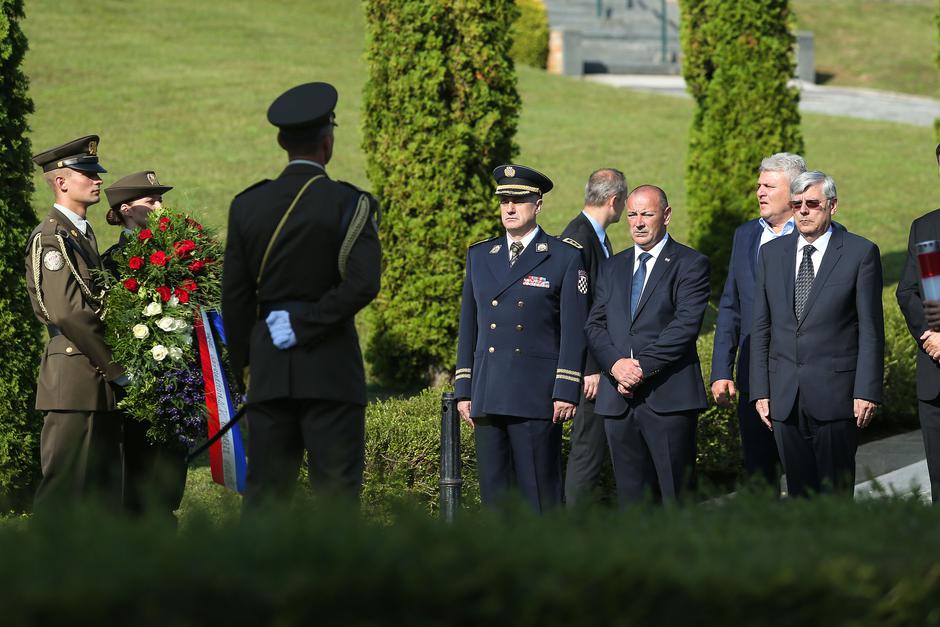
{"x": 536, "y": 281}
{"x": 582, "y": 281}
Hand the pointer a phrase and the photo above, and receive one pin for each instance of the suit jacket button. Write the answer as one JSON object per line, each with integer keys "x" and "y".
{"x": 492, "y": 350}
{"x": 68, "y": 349}
{"x": 518, "y": 350}
{"x": 518, "y": 327}
{"x": 520, "y": 304}
{"x": 492, "y": 325}
{"x": 495, "y": 302}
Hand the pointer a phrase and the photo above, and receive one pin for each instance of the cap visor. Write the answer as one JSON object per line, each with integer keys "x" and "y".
{"x": 87, "y": 167}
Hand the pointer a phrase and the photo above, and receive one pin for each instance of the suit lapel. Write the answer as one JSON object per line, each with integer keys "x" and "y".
{"x": 596, "y": 245}
{"x": 753, "y": 249}
{"x": 789, "y": 270}
{"x": 628, "y": 261}
{"x": 497, "y": 259}
{"x": 660, "y": 268}
{"x": 829, "y": 261}
{"x": 528, "y": 259}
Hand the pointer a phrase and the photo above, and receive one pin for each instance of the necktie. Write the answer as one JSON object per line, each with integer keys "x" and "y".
{"x": 90, "y": 235}
{"x": 514, "y": 249}
{"x": 804, "y": 281}
{"x": 608, "y": 247}
{"x": 639, "y": 278}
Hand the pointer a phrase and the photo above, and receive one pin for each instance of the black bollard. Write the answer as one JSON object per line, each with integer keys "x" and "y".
{"x": 450, "y": 457}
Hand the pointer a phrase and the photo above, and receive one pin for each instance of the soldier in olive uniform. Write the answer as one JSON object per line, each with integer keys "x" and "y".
{"x": 154, "y": 473}
{"x": 521, "y": 345}
{"x": 78, "y": 380}
{"x": 302, "y": 257}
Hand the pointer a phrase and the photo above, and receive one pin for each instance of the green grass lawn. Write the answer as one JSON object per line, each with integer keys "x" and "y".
{"x": 183, "y": 88}
{"x": 883, "y": 44}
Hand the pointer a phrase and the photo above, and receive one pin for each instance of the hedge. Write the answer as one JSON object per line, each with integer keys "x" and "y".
{"x": 441, "y": 109}
{"x": 748, "y": 561}
{"x": 737, "y": 59}
{"x": 530, "y": 34}
{"x": 20, "y": 339}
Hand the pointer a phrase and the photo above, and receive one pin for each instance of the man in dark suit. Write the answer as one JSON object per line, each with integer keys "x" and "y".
{"x": 911, "y": 301}
{"x": 817, "y": 341}
{"x": 733, "y": 328}
{"x": 520, "y": 350}
{"x": 605, "y": 197}
{"x": 648, "y": 308}
{"x": 302, "y": 257}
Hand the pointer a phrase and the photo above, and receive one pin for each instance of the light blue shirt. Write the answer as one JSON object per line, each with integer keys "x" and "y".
{"x": 768, "y": 234}
{"x": 599, "y": 230}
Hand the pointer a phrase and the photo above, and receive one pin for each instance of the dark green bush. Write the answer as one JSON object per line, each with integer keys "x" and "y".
{"x": 745, "y": 562}
{"x": 19, "y": 330}
{"x": 530, "y": 34}
{"x": 737, "y": 59}
{"x": 441, "y": 109}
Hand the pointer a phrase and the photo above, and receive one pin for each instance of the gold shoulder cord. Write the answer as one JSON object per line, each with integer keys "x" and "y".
{"x": 81, "y": 283}
{"x": 277, "y": 232}
{"x": 36, "y": 255}
{"x": 359, "y": 219}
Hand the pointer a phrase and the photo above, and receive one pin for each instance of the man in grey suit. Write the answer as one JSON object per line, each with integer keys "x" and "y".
{"x": 817, "y": 341}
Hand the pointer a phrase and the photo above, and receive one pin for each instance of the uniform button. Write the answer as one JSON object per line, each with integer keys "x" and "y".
{"x": 518, "y": 327}
{"x": 492, "y": 350}
{"x": 68, "y": 350}
{"x": 520, "y": 304}
{"x": 518, "y": 350}
{"x": 495, "y": 302}
{"x": 492, "y": 325}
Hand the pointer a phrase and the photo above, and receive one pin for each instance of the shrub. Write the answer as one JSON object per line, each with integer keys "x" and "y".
{"x": 530, "y": 34}
{"x": 441, "y": 109}
{"x": 738, "y": 57}
{"x": 19, "y": 329}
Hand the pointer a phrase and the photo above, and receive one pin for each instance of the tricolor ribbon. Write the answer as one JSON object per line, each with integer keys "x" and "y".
{"x": 227, "y": 455}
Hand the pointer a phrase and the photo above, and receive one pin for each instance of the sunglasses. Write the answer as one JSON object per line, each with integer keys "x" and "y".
{"x": 811, "y": 203}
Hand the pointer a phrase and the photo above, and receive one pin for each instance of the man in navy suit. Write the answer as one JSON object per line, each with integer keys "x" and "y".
{"x": 648, "y": 308}
{"x": 520, "y": 349}
{"x": 605, "y": 198}
{"x": 733, "y": 329}
{"x": 817, "y": 341}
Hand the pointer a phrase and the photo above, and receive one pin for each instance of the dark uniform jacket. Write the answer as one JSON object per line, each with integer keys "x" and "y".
{"x": 302, "y": 276}
{"x": 77, "y": 365}
{"x": 662, "y": 335}
{"x": 582, "y": 231}
{"x": 910, "y": 299}
{"x": 835, "y": 352}
{"x": 521, "y": 343}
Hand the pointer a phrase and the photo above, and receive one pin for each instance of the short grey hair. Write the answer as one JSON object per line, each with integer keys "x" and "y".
{"x": 806, "y": 180}
{"x": 604, "y": 184}
{"x": 790, "y": 164}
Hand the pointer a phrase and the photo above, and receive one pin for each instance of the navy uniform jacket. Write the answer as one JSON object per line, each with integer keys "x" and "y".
{"x": 521, "y": 342}
{"x": 661, "y": 336}
{"x": 835, "y": 353}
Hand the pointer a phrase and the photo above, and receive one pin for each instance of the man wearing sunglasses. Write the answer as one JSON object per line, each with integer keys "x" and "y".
{"x": 817, "y": 341}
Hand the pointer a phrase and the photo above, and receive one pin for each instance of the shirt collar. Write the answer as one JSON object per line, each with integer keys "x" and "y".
{"x": 526, "y": 239}
{"x": 79, "y": 222}
{"x": 821, "y": 243}
{"x": 305, "y": 162}
{"x": 654, "y": 252}
{"x": 598, "y": 229}
{"x": 786, "y": 230}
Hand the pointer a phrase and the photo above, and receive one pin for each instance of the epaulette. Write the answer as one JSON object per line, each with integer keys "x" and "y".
{"x": 568, "y": 240}
{"x": 251, "y": 187}
{"x": 483, "y": 241}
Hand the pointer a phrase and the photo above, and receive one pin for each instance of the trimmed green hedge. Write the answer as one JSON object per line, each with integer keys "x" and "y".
{"x": 530, "y": 34}
{"x": 748, "y": 561}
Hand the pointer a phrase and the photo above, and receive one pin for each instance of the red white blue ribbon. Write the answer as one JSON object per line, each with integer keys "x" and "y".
{"x": 227, "y": 456}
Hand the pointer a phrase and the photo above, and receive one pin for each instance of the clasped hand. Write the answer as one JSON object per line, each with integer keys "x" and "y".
{"x": 628, "y": 374}
{"x": 279, "y": 326}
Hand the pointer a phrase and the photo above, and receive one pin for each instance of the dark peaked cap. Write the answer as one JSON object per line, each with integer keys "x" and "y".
{"x": 519, "y": 180}
{"x": 134, "y": 186}
{"x": 310, "y": 104}
{"x": 78, "y": 154}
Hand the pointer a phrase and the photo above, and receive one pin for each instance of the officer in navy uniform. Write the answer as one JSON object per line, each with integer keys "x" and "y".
{"x": 302, "y": 257}
{"x": 521, "y": 348}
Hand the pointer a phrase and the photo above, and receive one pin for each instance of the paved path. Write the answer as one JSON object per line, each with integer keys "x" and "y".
{"x": 893, "y": 465}
{"x": 869, "y": 104}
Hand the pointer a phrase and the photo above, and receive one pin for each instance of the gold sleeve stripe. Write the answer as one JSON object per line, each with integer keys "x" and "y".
{"x": 517, "y": 188}
{"x": 459, "y": 370}
{"x": 567, "y": 378}
{"x": 462, "y": 376}
{"x": 573, "y": 373}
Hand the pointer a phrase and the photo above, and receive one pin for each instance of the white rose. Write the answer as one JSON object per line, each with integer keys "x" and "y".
{"x": 181, "y": 325}
{"x": 159, "y": 352}
{"x": 176, "y": 352}
{"x": 140, "y": 331}
{"x": 153, "y": 309}
{"x": 174, "y": 301}
{"x": 168, "y": 323}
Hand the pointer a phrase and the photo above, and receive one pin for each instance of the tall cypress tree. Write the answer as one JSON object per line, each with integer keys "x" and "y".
{"x": 19, "y": 330}
{"x": 441, "y": 109}
{"x": 738, "y": 57}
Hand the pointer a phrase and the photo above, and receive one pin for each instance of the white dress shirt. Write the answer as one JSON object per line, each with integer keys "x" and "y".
{"x": 306, "y": 161}
{"x": 821, "y": 243}
{"x": 655, "y": 252}
{"x": 80, "y": 223}
{"x": 525, "y": 241}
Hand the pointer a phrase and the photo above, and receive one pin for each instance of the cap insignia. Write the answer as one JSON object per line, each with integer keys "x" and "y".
{"x": 509, "y": 171}
{"x": 152, "y": 178}
{"x": 495, "y": 249}
{"x": 541, "y": 248}
{"x": 93, "y": 147}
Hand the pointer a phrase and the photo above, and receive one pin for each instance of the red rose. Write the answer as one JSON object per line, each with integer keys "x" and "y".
{"x": 145, "y": 235}
{"x": 182, "y": 295}
{"x": 158, "y": 258}
{"x": 164, "y": 293}
{"x": 131, "y": 283}
{"x": 184, "y": 247}
{"x": 196, "y": 266}
{"x": 135, "y": 263}
{"x": 190, "y": 285}
{"x": 164, "y": 223}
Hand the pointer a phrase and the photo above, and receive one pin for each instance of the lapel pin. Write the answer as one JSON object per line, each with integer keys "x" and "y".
{"x": 541, "y": 248}
{"x": 495, "y": 249}
{"x": 74, "y": 233}
{"x": 667, "y": 259}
